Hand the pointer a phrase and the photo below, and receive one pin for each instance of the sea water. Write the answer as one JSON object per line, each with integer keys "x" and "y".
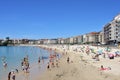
{"x": 13, "y": 56}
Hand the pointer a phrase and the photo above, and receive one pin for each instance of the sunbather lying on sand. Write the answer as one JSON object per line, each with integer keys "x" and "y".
{"x": 102, "y": 68}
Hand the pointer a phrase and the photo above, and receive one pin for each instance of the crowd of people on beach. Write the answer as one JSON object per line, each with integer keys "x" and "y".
{"x": 53, "y": 59}
{"x": 25, "y": 67}
{"x": 96, "y": 53}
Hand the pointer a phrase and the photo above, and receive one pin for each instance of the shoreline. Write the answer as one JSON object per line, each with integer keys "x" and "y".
{"x": 81, "y": 66}
{"x": 34, "y": 69}
{"x": 77, "y": 67}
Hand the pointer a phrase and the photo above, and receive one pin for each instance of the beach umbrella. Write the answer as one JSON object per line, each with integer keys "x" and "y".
{"x": 100, "y": 52}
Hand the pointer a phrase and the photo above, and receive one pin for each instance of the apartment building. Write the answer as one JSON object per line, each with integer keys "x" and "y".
{"x": 80, "y": 39}
{"x": 52, "y": 41}
{"x": 117, "y": 19}
{"x": 85, "y": 38}
{"x": 61, "y": 41}
{"x": 75, "y": 39}
{"x": 112, "y": 31}
{"x": 91, "y": 38}
{"x": 101, "y": 37}
{"x": 69, "y": 40}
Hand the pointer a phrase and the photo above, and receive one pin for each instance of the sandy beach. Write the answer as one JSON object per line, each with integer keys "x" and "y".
{"x": 81, "y": 66}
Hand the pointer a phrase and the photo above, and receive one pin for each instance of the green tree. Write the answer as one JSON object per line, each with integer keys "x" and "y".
{"x": 6, "y": 42}
{"x": 7, "y": 38}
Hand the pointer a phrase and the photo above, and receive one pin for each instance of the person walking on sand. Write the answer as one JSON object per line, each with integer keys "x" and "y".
{"x": 39, "y": 60}
{"x": 9, "y": 75}
{"x": 43, "y": 59}
{"x": 48, "y": 66}
{"x": 53, "y": 64}
{"x": 68, "y": 59}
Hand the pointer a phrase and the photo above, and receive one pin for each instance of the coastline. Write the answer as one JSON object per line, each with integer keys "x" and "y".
{"x": 35, "y": 69}
{"x": 81, "y": 66}
{"x": 80, "y": 69}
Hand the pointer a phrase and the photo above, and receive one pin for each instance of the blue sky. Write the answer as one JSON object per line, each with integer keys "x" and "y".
{"x": 36, "y": 19}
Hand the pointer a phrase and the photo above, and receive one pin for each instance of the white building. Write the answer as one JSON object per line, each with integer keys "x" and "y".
{"x": 78, "y": 39}
{"x": 60, "y": 41}
{"x": 84, "y": 38}
{"x": 111, "y": 31}
{"x": 101, "y": 37}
